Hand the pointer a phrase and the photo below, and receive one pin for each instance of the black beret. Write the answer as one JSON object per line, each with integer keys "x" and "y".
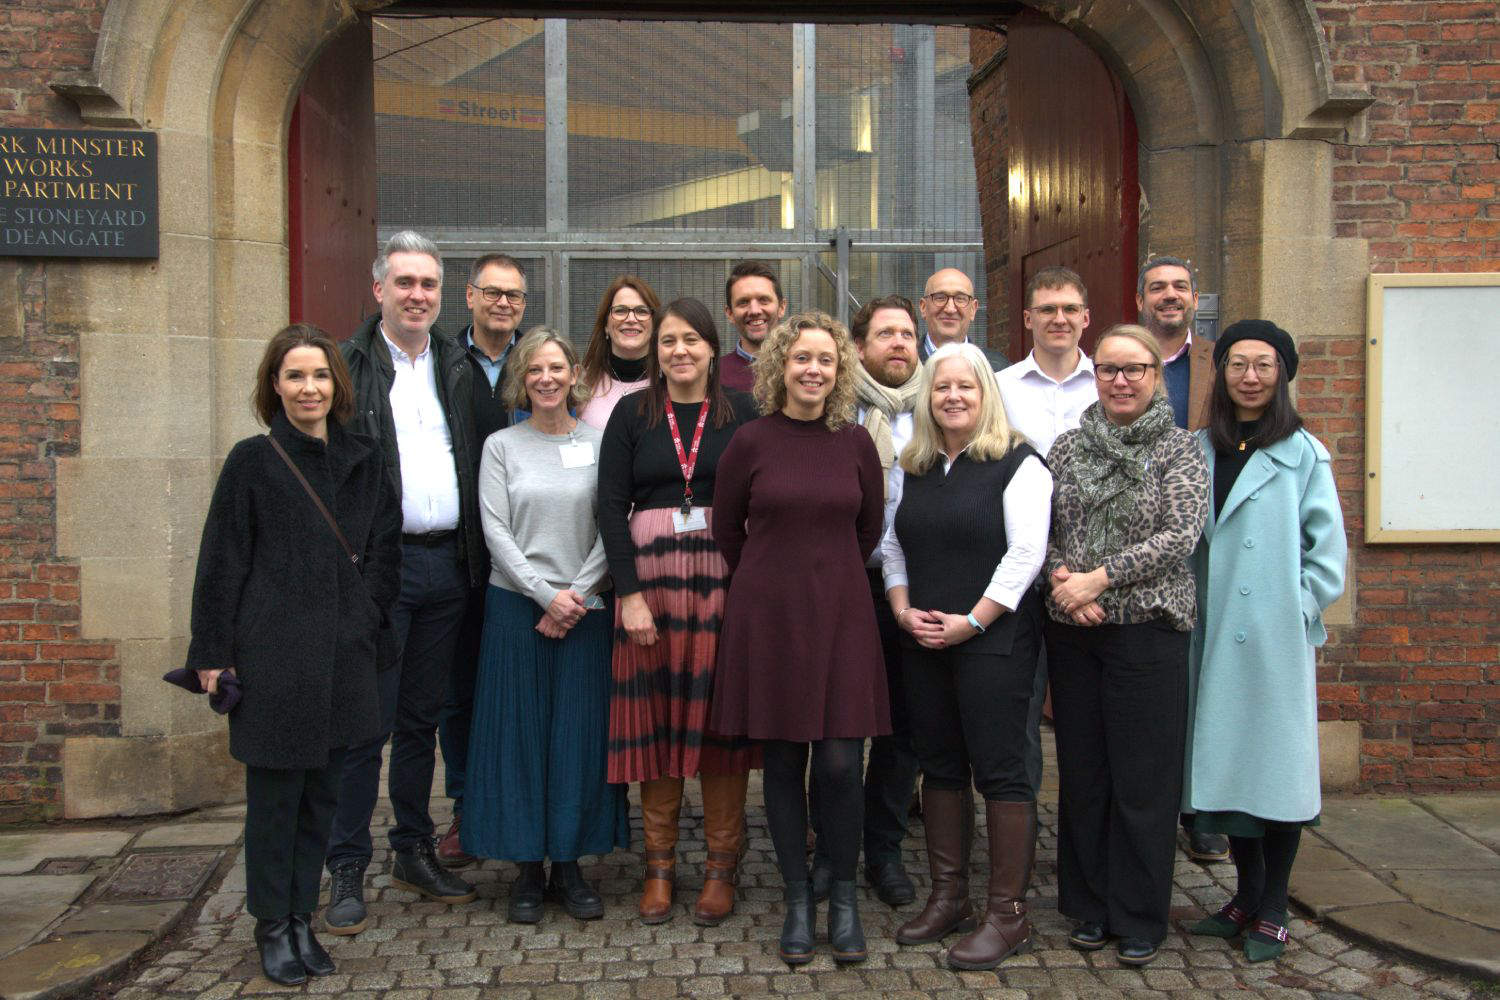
{"x": 1259, "y": 329}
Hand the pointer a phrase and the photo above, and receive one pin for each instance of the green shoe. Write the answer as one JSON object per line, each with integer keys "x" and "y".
{"x": 1266, "y": 941}
{"x": 1227, "y": 923}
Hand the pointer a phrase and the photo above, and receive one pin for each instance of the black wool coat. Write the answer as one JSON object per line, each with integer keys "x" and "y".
{"x": 277, "y": 599}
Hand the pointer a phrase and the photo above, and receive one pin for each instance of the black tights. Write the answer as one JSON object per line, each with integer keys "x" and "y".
{"x": 837, "y": 768}
{"x": 1264, "y": 867}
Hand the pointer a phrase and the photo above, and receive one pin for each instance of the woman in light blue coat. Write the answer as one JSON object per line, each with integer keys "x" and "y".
{"x": 1270, "y": 560}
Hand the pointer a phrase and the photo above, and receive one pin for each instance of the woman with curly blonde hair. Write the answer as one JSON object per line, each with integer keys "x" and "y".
{"x": 798, "y": 505}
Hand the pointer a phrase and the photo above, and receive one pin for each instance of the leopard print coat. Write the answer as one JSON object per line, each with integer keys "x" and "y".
{"x": 1149, "y": 574}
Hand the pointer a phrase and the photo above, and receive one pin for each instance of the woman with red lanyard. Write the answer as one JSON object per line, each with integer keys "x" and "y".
{"x": 657, "y": 465}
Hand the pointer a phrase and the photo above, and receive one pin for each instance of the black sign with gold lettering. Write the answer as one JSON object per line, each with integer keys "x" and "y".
{"x": 78, "y": 193}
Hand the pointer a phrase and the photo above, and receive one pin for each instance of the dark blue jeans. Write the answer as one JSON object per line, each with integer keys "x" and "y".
{"x": 458, "y": 712}
{"x": 426, "y": 618}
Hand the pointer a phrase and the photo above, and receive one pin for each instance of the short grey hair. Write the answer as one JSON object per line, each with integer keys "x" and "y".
{"x": 1165, "y": 261}
{"x": 406, "y": 241}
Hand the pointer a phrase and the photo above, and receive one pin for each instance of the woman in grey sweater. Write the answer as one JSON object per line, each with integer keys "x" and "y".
{"x": 536, "y": 784}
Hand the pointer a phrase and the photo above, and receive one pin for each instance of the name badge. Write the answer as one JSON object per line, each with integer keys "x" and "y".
{"x": 696, "y": 519}
{"x": 576, "y": 454}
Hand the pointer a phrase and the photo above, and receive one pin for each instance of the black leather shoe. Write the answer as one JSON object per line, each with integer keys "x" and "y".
{"x": 1207, "y": 846}
{"x": 278, "y": 955}
{"x": 418, "y": 871}
{"x": 345, "y": 913}
{"x": 578, "y": 898}
{"x": 1088, "y": 935}
{"x": 525, "y": 903}
{"x": 315, "y": 959}
{"x": 796, "y": 945}
{"x": 822, "y": 882}
{"x": 891, "y": 883}
{"x": 844, "y": 931}
{"x": 1135, "y": 951}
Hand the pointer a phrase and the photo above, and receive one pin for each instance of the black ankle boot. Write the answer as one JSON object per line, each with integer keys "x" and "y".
{"x": 278, "y": 955}
{"x": 796, "y": 947}
{"x": 844, "y": 931}
{"x": 578, "y": 898}
{"x": 314, "y": 957}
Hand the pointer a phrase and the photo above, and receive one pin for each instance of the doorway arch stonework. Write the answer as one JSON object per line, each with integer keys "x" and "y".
{"x": 1233, "y": 102}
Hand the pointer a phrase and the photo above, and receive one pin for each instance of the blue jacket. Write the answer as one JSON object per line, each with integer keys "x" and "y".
{"x": 1266, "y": 567}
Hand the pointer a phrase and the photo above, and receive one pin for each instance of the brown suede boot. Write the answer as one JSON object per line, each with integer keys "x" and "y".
{"x": 661, "y": 800}
{"x": 1005, "y": 929}
{"x": 724, "y": 832}
{"x": 949, "y": 819}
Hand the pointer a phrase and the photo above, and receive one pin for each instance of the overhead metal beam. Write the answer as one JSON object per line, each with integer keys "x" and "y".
{"x": 959, "y": 12}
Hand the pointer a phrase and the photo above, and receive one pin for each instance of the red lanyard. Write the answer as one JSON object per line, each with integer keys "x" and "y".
{"x": 688, "y": 460}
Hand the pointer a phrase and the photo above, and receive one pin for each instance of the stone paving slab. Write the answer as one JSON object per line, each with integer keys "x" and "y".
{"x": 1471, "y": 896}
{"x": 190, "y": 834}
{"x": 63, "y": 967}
{"x": 29, "y": 903}
{"x": 1322, "y": 891}
{"x": 1476, "y": 815}
{"x": 1389, "y": 834}
{"x": 153, "y": 918}
{"x": 21, "y": 852}
{"x": 1412, "y": 930}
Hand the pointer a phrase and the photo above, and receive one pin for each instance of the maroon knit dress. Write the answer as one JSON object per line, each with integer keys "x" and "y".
{"x": 797, "y": 511}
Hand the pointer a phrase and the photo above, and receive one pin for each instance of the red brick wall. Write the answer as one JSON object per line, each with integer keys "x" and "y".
{"x": 52, "y": 685}
{"x": 1420, "y": 668}
{"x": 987, "y": 118}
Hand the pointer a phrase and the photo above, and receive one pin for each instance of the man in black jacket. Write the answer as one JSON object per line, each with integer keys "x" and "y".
{"x": 413, "y": 391}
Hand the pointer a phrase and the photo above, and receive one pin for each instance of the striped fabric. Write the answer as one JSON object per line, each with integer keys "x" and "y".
{"x": 658, "y": 712}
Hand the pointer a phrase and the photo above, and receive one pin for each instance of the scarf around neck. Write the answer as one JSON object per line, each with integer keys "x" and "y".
{"x": 882, "y": 405}
{"x": 1111, "y": 464}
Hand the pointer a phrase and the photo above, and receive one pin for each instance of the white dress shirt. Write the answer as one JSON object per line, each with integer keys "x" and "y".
{"x": 1027, "y": 506}
{"x": 1042, "y": 408}
{"x": 902, "y": 429}
{"x": 429, "y": 476}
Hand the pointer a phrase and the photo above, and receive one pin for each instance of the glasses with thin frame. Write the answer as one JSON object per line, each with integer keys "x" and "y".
{"x": 641, "y": 313}
{"x": 941, "y": 299}
{"x": 1132, "y": 372}
{"x": 1265, "y": 368}
{"x": 491, "y": 294}
{"x": 1072, "y": 310}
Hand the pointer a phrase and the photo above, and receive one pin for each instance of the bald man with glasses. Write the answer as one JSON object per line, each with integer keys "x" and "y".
{"x": 948, "y": 306}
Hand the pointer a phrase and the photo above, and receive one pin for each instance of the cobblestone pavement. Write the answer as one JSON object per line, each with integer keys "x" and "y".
{"x": 415, "y": 950}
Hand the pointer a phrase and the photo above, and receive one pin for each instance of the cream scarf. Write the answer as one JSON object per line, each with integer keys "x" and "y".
{"x": 882, "y": 405}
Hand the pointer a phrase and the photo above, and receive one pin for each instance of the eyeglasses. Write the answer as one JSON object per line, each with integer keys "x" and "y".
{"x": 639, "y": 312}
{"x": 1072, "y": 310}
{"x": 941, "y": 299}
{"x": 1132, "y": 373}
{"x": 514, "y": 296}
{"x": 1265, "y": 368}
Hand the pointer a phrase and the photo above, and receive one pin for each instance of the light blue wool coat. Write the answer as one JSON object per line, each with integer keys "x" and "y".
{"x": 1266, "y": 567}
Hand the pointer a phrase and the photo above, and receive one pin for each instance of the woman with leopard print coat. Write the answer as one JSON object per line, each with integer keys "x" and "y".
{"x": 1130, "y": 501}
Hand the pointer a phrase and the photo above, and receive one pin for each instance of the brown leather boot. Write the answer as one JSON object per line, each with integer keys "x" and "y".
{"x": 949, "y": 819}
{"x": 724, "y": 832}
{"x": 661, "y": 800}
{"x": 1005, "y": 929}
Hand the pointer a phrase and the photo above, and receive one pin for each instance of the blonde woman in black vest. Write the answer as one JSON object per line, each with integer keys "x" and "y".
{"x": 959, "y": 571}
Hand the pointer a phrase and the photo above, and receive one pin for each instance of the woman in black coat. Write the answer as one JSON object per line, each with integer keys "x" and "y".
{"x": 299, "y": 614}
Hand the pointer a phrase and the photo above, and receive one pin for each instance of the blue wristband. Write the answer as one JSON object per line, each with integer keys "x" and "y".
{"x": 974, "y": 623}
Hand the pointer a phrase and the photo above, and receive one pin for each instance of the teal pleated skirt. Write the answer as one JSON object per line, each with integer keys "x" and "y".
{"x": 539, "y": 742}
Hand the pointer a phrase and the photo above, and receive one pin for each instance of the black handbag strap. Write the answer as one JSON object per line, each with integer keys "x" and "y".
{"x": 315, "y": 498}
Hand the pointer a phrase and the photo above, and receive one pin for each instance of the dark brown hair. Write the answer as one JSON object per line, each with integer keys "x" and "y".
{"x": 752, "y": 269}
{"x": 860, "y": 324}
{"x": 1280, "y": 419}
{"x": 653, "y": 404}
{"x": 596, "y": 358}
{"x": 265, "y": 403}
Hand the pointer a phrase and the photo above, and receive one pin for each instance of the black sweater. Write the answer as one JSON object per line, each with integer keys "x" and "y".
{"x": 638, "y": 470}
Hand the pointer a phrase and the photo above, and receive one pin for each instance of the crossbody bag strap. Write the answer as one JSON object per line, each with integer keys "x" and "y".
{"x": 322, "y": 509}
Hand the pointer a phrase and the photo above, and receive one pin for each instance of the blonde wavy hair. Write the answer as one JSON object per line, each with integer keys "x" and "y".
{"x": 993, "y": 435}
{"x": 770, "y": 366}
{"x": 513, "y": 394}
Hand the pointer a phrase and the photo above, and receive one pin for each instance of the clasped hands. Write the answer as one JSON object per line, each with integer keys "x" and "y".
{"x": 1077, "y": 594}
{"x": 566, "y": 610}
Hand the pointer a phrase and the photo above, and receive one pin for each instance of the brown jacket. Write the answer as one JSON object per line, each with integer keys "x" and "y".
{"x": 1200, "y": 381}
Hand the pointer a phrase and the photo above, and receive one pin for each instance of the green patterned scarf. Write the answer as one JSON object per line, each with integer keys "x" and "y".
{"x": 1110, "y": 465}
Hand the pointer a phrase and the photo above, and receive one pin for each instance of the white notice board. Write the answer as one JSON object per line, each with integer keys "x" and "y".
{"x": 1432, "y": 413}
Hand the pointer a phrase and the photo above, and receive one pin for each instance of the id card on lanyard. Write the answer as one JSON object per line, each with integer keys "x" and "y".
{"x": 687, "y": 517}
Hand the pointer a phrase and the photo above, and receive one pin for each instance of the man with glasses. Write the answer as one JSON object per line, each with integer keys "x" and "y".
{"x": 753, "y": 304}
{"x": 413, "y": 392}
{"x": 948, "y": 307}
{"x": 496, "y": 297}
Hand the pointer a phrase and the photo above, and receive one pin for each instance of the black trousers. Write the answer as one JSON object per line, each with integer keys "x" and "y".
{"x": 1119, "y": 701}
{"x": 968, "y": 716}
{"x": 458, "y": 711}
{"x": 288, "y": 814}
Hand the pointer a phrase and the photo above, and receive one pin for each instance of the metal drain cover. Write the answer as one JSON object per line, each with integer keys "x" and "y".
{"x": 151, "y": 877}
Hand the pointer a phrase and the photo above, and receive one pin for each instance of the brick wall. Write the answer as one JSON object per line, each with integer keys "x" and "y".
{"x": 1420, "y": 668}
{"x": 987, "y": 118}
{"x": 51, "y": 684}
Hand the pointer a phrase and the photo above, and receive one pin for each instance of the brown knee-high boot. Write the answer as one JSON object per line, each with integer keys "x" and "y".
{"x": 661, "y": 800}
{"x": 949, "y": 819}
{"x": 724, "y": 832}
{"x": 1005, "y": 929}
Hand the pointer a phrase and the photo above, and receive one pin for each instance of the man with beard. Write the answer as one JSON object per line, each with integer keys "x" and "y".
{"x": 496, "y": 297}
{"x": 889, "y": 385}
{"x": 753, "y": 303}
{"x": 948, "y": 308}
{"x": 1166, "y": 296}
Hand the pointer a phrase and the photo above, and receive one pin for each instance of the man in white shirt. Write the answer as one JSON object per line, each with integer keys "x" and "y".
{"x": 948, "y": 307}
{"x": 413, "y": 391}
{"x": 1045, "y": 395}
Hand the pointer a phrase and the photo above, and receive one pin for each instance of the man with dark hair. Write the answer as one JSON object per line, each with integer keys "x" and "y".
{"x": 753, "y": 303}
{"x": 496, "y": 297}
{"x": 889, "y": 385}
{"x": 949, "y": 306}
{"x": 1166, "y": 296}
{"x": 413, "y": 393}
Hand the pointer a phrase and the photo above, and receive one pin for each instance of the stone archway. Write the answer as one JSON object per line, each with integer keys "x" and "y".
{"x": 1231, "y": 102}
